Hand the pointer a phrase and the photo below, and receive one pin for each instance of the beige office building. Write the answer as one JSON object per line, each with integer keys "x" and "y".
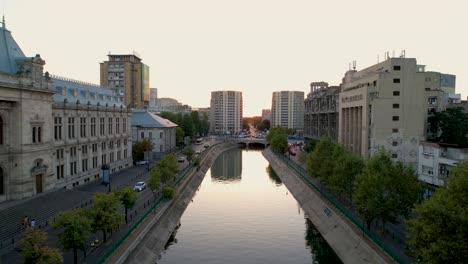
{"x": 226, "y": 112}
{"x": 287, "y": 109}
{"x": 128, "y": 77}
{"x": 384, "y": 107}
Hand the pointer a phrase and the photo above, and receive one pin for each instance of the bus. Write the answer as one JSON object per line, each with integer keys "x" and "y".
{"x": 199, "y": 141}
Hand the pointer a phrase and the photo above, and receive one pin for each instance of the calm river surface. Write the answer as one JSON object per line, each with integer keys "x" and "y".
{"x": 242, "y": 213}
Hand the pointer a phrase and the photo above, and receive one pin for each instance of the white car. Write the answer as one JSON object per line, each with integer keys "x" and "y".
{"x": 181, "y": 159}
{"x": 142, "y": 162}
{"x": 197, "y": 152}
{"x": 140, "y": 186}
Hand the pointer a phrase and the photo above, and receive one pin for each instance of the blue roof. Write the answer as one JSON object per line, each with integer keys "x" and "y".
{"x": 83, "y": 92}
{"x": 9, "y": 52}
{"x": 143, "y": 118}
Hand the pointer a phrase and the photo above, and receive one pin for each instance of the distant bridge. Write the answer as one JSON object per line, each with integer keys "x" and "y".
{"x": 252, "y": 142}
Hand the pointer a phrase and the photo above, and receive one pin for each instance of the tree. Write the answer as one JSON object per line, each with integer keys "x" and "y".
{"x": 346, "y": 167}
{"x": 168, "y": 192}
{"x": 179, "y": 136}
{"x": 128, "y": 198}
{"x": 140, "y": 147}
{"x": 163, "y": 171}
{"x": 321, "y": 163}
{"x": 76, "y": 228}
{"x": 278, "y": 139}
{"x": 439, "y": 232}
{"x": 104, "y": 213}
{"x": 154, "y": 182}
{"x": 35, "y": 251}
{"x": 453, "y": 124}
{"x": 189, "y": 153}
{"x": 385, "y": 190}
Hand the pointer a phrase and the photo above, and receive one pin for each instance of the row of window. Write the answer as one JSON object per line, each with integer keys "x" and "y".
{"x": 60, "y": 169}
{"x": 94, "y": 148}
{"x": 83, "y": 127}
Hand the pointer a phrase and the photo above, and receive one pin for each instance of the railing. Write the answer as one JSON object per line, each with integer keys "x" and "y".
{"x": 356, "y": 221}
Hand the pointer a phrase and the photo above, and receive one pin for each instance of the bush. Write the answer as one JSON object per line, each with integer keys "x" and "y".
{"x": 168, "y": 192}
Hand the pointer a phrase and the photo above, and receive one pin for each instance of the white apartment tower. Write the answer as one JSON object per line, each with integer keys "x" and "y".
{"x": 287, "y": 109}
{"x": 226, "y": 112}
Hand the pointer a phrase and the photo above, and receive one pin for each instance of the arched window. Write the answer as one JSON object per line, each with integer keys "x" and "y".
{"x": 2, "y": 188}
{"x": 1, "y": 131}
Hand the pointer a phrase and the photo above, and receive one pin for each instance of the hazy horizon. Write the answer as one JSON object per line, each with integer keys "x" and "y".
{"x": 257, "y": 47}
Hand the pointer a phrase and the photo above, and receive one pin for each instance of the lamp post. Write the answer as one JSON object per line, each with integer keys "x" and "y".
{"x": 106, "y": 176}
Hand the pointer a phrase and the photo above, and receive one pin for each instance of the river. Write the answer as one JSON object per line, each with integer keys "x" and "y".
{"x": 243, "y": 213}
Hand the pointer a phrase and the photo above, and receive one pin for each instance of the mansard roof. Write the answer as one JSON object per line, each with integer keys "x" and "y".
{"x": 77, "y": 91}
{"x": 9, "y": 51}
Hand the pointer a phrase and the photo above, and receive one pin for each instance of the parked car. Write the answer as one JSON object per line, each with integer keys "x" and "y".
{"x": 292, "y": 152}
{"x": 206, "y": 146}
{"x": 140, "y": 186}
{"x": 181, "y": 159}
{"x": 142, "y": 162}
{"x": 198, "y": 152}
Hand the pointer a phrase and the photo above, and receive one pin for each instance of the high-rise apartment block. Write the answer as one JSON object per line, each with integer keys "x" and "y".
{"x": 287, "y": 109}
{"x": 153, "y": 97}
{"x": 128, "y": 77}
{"x": 226, "y": 112}
{"x": 385, "y": 106}
{"x": 321, "y": 111}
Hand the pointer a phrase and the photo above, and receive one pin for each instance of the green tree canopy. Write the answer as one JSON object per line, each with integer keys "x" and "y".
{"x": 189, "y": 153}
{"x": 104, "y": 212}
{"x": 385, "y": 189}
{"x": 140, "y": 147}
{"x": 75, "y": 228}
{"x": 278, "y": 139}
{"x": 162, "y": 171}
{"x": 35, "y": 250}
{"x": 320, "y": 163}
{"x": 346, "y": 167}
{"x": 439, "y": 232}
{"x": 179, "y": 136}
{"x": 128, "y": 197}
{"x": 453, "y": 124}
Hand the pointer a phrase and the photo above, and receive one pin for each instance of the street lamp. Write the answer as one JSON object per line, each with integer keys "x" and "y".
{"x": 106, "y": 176}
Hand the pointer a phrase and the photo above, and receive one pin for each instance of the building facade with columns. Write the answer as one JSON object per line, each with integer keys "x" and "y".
{"x": 46, "y": 127}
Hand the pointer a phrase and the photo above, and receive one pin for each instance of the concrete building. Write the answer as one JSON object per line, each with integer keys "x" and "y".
{"x": 321, "y": 111}
{"x": 266, "y": 114}
{"x": 153, "y": 97}
{"x": 128, "y": 77}
{"x": 287, "y": 109}
{"x": 159, "y": 131}
{"x": 385, "y": 106}
{"x": 226, "y": 112}
{"x": 436, "y": 161}
{"x": 171, "y": 105}
{"x": 49, "y": 136}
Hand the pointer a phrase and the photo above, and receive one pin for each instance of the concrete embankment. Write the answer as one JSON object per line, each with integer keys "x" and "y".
{"x": 148, "y": 241}
{"x": 350, "y": 246}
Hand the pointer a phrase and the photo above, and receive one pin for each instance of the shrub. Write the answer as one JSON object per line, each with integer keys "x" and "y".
{"x": 168, "y": 192}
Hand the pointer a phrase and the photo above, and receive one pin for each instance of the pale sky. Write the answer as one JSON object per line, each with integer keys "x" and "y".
{"x": 194, "y": 47}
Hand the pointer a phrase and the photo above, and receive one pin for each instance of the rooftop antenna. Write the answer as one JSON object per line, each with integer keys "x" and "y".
{"x": 354, "y": 65}
{"x": 403, "y": 54}
{"x": 3, "y": 21}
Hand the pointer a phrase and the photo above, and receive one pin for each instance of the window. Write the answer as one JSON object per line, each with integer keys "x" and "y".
{"x": 142, "y": 134}
{"x": 94, "y": 147}
{"x": 2, "y": 188}
{"x": 110, "y": 126}
{"x": 150, "y": 135}
{"x": 58, "y": 128}
{"x": 396, "y": 93}
{"x": 118, "y": 143}
{"x": 73, "y": 152}
{"x": 84, "y": 165}
{"x": 103, "y": 145}
{"x": 71, "y": 127}
{"x": 395, "y": 118}
{"x": 160, "y": 148}
{"x": 101, "y": 126}
{"x": 95, "y": 162}
{"x": 111, "y": 157}
{"x": 124, "y": 126}
{"x": 394, "y": 143}
{"x": 396, "y": 68}
{"x": 396, "y": 80}
{"x": 396, "y": 106}
{"x": 427, "y": 89}
{"x": 161, "y": 134}
{"x": 394, "y": 156}
{"x": 82, "y": 127}
{"x": 36, "y": 134}
{"x": 93, "y": 126}
{"x": 119, "y": 155}
{"x": 103, "y": 159}
{"x": 84, "y": 149}
{"x": 125, "y": 153}
{"x": 111, "y": 144}
{"x": 117, "y": 126}
{"x": 59, "y": 153}
{"x": 73, "y": 168}
{"x": 59, "y": 172}
{"x": 394, "y": 130}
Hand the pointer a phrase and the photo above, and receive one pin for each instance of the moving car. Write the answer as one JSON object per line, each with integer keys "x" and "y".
{"x": 142, "y": 162}
{"x": 292, "y": 152}
{"x": 181, "y": 159}
{"x": 206, "y": 146}
{"x": 140, "y": 186}
{"x": 198, "y": 152}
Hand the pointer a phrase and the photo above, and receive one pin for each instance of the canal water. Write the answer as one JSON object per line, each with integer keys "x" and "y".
{"x": 243, "y": 213}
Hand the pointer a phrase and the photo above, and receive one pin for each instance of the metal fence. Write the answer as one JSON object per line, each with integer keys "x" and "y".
{"x": 355, "y": 220}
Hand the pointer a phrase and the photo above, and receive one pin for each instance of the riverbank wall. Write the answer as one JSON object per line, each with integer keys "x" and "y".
{"x": 149, "y": 240}
{"x": 348, "y": 243}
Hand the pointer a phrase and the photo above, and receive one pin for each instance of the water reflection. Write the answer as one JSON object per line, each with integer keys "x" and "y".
{"x": 321, "y": 251}
{"x": 273, "y": 176}
{"x": 228, "y": 166}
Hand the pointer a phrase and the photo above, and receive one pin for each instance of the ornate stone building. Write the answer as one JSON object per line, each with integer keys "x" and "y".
{"x": 54, "y": 133}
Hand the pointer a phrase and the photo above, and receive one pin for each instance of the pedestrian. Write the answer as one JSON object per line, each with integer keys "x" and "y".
{"x": 25, "y": 221}
{"x": 33, "y": 223}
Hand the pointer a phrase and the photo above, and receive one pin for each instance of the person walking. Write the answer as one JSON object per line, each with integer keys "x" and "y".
{"x": 25, "y": 221}
{"x": 33, "y": 223}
